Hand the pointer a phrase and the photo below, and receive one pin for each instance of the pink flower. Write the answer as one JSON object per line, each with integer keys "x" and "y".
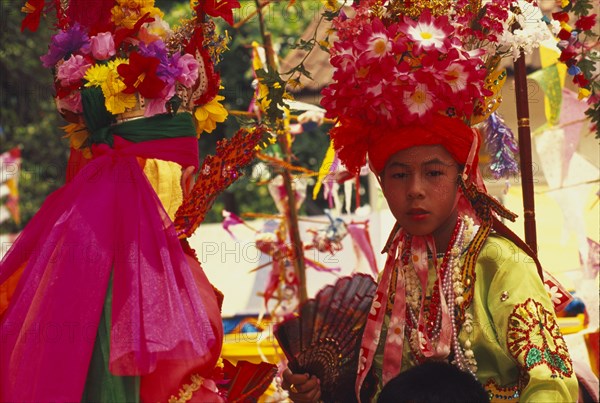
{"x": 189, "y": 70}
{"x": 103, "y": 46}
{"x": 72, "y": 71}
{"x": 156, "y": 106}
{"x": 71, "y": 102}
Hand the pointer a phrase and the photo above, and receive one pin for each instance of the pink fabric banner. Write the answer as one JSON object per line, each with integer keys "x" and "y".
{"x": 107, "y": 222}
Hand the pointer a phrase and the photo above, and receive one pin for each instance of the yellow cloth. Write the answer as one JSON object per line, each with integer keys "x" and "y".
{"x": 520, "y": 353}
{"x": 165, "y": 178}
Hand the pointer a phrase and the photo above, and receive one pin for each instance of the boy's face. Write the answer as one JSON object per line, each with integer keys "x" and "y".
{"x": 420, "y": 186}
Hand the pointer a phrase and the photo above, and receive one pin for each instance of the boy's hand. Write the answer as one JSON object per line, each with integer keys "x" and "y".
{"x": 303, "y": 388}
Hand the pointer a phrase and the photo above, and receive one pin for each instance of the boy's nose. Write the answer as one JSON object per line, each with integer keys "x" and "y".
{"x": 415, "y": 188}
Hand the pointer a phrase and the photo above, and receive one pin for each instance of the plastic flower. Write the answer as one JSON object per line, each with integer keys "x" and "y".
{"x": 72, "y": 70}
{"x": 33, "y": 9}
{"x": 77, "y": 134}
{"x": 216, "y": 8}
{"x": 375, "y": 41}
{"x": 158, "y": 105}
{"x": 103, "y": 46}
{"x": 208, "y": 115}
{"x": 70, "y": 102}
{"x": 155, "y": 30}
{"x": 116, "y": 100}
{"x": 96, "y": 75}
{"x": 140, "y": 75}
{"x": 456, "y": 77}
{"x": 428, "y": 32}
{"x": 188, "y": 66}
{"x": 74, "y": 39}
{"x": 127, "y": 12}
{"x": 420, "y": 101}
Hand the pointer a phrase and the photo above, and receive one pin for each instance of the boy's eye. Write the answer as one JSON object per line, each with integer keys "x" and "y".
{"x": 435, "y": 173}
{"x": 399, "y": 175}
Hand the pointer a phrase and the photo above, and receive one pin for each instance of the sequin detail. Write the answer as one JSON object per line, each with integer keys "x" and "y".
{"x": 497, "y": 393}
{"x": 534, "y": 338}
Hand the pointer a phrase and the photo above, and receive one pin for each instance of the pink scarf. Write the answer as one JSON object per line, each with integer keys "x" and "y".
{"x": 394, "y": 343}
{"x": 107, "y": 221}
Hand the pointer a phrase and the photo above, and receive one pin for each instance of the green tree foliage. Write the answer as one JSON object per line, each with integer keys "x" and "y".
{"x": 28, "y": 116}
{"x": 286, "y": 24}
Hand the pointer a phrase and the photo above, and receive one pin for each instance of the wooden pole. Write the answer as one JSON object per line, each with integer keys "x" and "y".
{"x": 524, "y": 132}
{"x": 292, "y": 213}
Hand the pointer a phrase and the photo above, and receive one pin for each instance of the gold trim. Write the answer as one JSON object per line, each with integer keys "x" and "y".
{"x": 523, "y": 122}
{"x": 186, "y": 391}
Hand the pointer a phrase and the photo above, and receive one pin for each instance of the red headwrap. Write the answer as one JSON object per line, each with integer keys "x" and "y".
{"x": 354, "y": 140}
{"x": 451, "y": 133}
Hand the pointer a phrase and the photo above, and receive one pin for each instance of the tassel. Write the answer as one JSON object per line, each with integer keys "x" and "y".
{"x": 502, "y": 147}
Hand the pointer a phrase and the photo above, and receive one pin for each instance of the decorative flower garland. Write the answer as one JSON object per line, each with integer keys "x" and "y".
{"x": 580, "y": 51}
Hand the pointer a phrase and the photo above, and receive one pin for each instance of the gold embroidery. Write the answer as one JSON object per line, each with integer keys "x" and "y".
{"x": 534, "y": 338}
{"x": 187, "y": 390}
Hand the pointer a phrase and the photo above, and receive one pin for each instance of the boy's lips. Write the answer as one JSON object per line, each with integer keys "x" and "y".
{"x": 417, "y": 213}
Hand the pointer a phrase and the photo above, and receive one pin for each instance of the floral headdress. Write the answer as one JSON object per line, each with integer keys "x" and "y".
{"x": 400, "y": 63}
{"x": 127, "y": 55}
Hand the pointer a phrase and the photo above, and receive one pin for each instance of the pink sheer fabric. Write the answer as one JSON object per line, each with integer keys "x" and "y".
{"x": 107, "y": 221}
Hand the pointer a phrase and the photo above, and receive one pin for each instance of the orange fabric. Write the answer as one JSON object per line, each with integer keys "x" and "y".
{"x": 7, "y": 289}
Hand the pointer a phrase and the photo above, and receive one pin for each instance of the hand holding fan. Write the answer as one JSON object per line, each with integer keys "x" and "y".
{"x": 324, "y": 339}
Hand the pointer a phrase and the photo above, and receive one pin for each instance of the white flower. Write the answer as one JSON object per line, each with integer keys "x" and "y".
{"x": 420, "y": 101}
{"x": 395, "y": 332}
{"x": 378, "y": 45}
{"x": 375, "y": 307}
{"x": 427, "y": 35}
{"x": 553, "y": 293}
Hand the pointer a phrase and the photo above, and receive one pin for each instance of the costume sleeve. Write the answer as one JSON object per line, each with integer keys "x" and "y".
{"x": 527, "y": 329}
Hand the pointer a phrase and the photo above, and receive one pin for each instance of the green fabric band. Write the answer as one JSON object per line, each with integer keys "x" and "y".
{"x": 102, "y": 127}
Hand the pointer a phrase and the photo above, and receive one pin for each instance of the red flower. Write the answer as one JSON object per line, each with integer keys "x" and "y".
{"x": 580, "y": 80}
{"x": 561, "y": 16}
{"x": 564, "y": 35}
{"x": 123, "y": 33}
{"x": 567, "y": 54}
{"x": 33, "y": 9}
{"x": 218, "y": 8}
{"x": 586, "y": 22}
{"x": 140, "y": 75}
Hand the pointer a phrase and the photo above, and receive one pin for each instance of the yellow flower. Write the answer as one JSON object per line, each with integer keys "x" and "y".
{"x": 564, "y": 3}
{"x": 208, "y": 115}
{"x": 127, "y": 12}
{"x": 77, "y": 134}
{"x": 113, "y": 64}
{"x": 114, "y": 99}
{"x": 330, "y": 5}
{"x": 583, "y": 93}
{"x": 96, "y": 75}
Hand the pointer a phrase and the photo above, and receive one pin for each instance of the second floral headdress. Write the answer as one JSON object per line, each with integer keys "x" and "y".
{"x": 125, "y": 59}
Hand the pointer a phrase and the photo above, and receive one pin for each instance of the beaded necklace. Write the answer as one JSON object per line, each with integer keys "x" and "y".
{"x": 452, "y": 289}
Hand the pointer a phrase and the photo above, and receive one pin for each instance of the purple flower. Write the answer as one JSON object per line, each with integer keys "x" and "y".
{"x": 74, "y": 39}
{"x": 168, "y": 69}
